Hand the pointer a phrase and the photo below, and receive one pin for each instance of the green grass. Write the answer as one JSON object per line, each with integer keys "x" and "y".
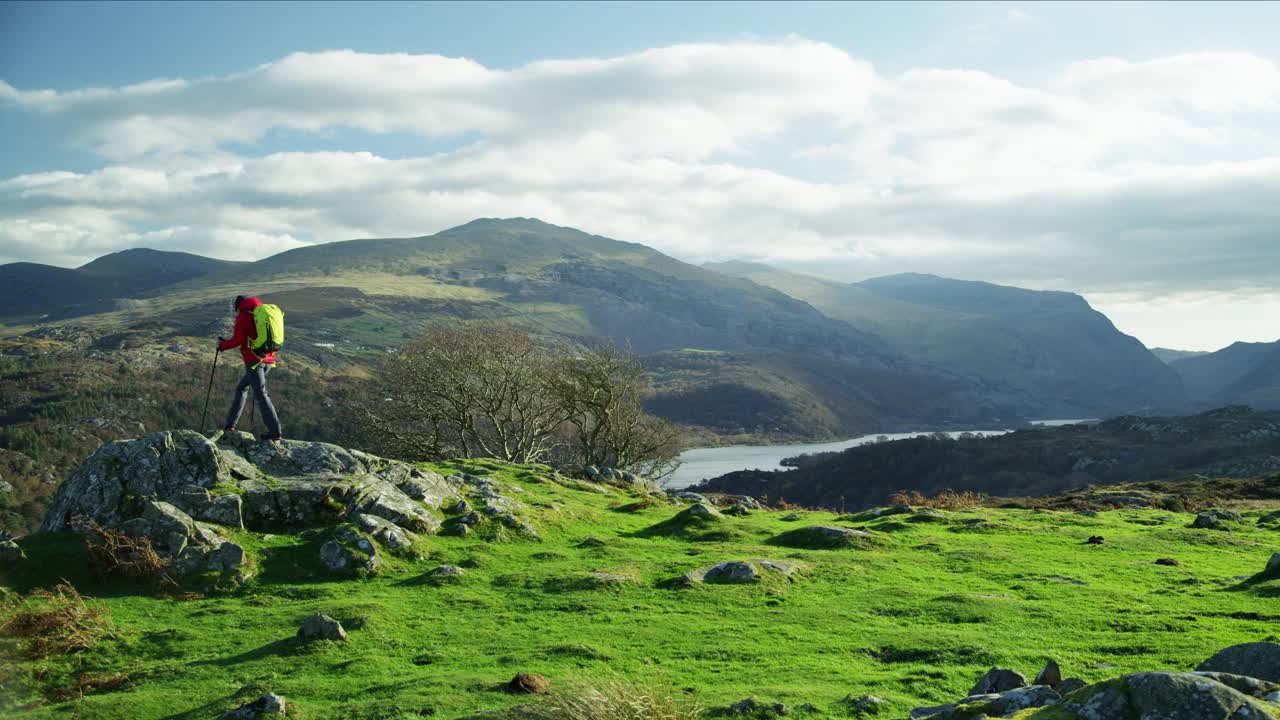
{"x": 915, "y": 619}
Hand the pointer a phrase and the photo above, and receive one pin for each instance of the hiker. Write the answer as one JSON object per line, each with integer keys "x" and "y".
{"x": 256, "y": 367}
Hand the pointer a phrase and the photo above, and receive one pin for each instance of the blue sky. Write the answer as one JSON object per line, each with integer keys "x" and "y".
{"x": 1124, "y": 150}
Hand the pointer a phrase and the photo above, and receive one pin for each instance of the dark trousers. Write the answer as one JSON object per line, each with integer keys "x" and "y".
{"x": 255, "y": 378}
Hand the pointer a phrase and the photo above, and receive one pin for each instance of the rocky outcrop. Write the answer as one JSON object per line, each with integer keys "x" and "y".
{"x": 1189, "y": 696}
{"x": 186, "y": 493}
{"x": 1195, "y": 696}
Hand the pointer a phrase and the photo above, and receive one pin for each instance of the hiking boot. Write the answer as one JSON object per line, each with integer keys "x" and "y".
{"x": 277, "y": 437}
{"x": 229, "y": 429}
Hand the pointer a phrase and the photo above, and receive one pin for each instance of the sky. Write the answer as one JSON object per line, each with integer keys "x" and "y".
{"x": 1126, "y": 151}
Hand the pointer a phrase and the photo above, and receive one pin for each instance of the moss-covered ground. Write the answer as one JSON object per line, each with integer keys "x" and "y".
{"x": 914, "y": 617}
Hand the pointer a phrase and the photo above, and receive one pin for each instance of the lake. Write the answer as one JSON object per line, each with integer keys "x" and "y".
{"x": 702, "y": 463}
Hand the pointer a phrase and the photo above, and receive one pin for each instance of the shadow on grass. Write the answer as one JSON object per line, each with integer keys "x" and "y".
{"x": 276, "y": 648}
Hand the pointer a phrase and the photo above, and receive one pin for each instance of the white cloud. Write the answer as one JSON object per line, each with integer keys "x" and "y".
{"x": 1157, "y": 175}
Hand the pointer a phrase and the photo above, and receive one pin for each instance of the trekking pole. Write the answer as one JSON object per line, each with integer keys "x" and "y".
{"x": 216, "y": 354}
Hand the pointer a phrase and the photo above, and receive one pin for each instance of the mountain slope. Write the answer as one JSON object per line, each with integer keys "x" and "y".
{"x": 28, "y": 289}
{"x": 1168, "y": 355}
{"x": 1244, "y": 373}
{"x": 1067, "y": 358}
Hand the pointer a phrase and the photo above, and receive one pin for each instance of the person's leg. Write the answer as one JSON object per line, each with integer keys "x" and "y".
{"x": 269, "y": 416}
{"x": 237, "y": 400}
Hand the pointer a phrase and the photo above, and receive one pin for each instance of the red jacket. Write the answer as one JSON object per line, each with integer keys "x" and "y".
{"x": 245, "y": 333}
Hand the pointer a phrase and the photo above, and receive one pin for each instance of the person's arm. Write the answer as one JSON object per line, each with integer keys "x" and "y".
{"x": 241, "y": 334}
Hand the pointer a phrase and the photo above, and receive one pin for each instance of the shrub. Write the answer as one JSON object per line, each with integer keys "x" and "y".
{"x": 112, "y": 553}
{"x": 614, "y": 700}
{"x": 56, "y": 622}
{"x": 945, "y": 500}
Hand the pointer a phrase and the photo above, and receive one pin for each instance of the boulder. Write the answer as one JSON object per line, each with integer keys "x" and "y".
{"x": 1210, "y": 521}
{"x": 1186, "y": 696}
{"x": 350, "y": 553}
{"x": 699, "y": 511}
{"x": 732, "y": 572}
{"x": 998, "y": 680}
{"x": 689, "y": 495}
{"x": 10, "y": 554}
{"x": 269, "y": 704}
{"x": 1259, "y": 660}
{"x": 736, "y": 572}
{"x": 1002, "y": 704}
{"x": 1250, "y": 686}
{"x": 1273, "y": 566}
{"x": 1051, "y": 675}
{"x": 823, "y": 536}
{"x": 442, "y": 574}
{"x": 322, "y": 627}
{"x": 156, "y": 466}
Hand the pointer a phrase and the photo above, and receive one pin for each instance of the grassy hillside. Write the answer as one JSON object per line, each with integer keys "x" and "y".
{"x": 914, "y": 615}
{"x": 1050, "y": 350}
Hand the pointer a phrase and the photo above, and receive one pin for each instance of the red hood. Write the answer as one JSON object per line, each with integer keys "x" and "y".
{"x": 249, "y": 303}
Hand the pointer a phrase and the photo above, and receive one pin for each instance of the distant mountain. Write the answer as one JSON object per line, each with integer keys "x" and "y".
{"x": 34, "y": 290}
{"x": 1234, "y": 442}
{"x": 1242, "y": 373}
{"x": 1065, "y": 357}
{"x": 728, "y": 355}
{"x": 1167, "y": 355}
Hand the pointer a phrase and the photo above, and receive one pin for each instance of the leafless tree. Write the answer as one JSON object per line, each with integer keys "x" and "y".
{"x": 486, "y": 389}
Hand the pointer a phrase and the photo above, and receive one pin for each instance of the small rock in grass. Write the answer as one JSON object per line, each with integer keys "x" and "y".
{"x": 1167, "y": 561}
{"x": 1051, "y": 675}
{"x": 998, "y": 680}
{"x": 269, "y": 704}
{"x": 700, "y": 510}
{"x": 744, "y": 706}
{"x": 1095, "y": 540}
{"x": 445, "y": 573}
{"x": 591, "y": 542}
{"x": 528, "y": 684}
{"x": 868, "y": 704}
{"x": 322, "y": 627}
{"x": 791, "y": 517}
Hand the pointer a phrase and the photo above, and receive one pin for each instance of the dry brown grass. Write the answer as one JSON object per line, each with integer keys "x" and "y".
{"x": 945, "y": 500}
{"x": 616, "y": 699}
{"x": 88, "y": 683}
{"x": 56, "y": 622}
{"x": 112, "y": 553}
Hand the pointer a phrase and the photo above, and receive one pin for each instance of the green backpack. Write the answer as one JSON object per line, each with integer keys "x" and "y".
{"x": 268, "y": 321}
